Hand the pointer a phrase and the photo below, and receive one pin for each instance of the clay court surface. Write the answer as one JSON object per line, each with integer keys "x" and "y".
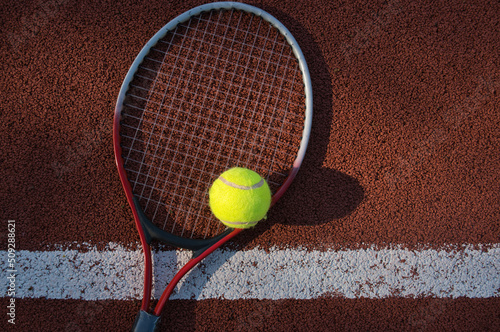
{"x": 392, "y": 223}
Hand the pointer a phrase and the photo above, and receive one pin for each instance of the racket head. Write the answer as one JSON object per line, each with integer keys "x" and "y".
{"x": 189, "y": 110}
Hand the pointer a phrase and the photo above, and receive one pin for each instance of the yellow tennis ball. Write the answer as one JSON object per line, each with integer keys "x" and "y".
{"x": 240, "y": 198}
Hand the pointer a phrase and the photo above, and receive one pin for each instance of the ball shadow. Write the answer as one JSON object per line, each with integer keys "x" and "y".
{"x": 317, "y": 198}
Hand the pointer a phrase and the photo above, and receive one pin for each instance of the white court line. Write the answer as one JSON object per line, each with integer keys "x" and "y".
{"x": 116, "y": 273}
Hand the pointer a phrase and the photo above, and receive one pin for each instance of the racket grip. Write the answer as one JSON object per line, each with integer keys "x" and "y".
{"x": 145, "y": 322}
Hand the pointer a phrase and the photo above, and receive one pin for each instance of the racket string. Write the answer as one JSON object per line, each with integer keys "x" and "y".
{"x": 265, "y": 107}
{"x": 213, "y": 132}
{"x": 145, "y": 149}
{"x": 280, "y": 132}
{"x": 183, "y": 131}
{"x": 247, "y": 100}
{"x": 218, "y": 124}
{"x": 182, "y": 165}
{"x": 162, "y": 159}
{"x": 194, "y": 168}
{"x": 207, "y": 110}
{"x": 190, "y": 176}
{"x": 238, "y": 93}
{"x": 244, "y": 90}
{"x": 134, "y": 140}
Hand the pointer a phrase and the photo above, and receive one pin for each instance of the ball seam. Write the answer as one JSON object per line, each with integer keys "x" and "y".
{"x": 239, "y": 186}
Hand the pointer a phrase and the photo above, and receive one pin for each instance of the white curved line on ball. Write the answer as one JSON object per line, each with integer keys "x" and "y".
{"x": 238, "y": 223}
{"x": 238, "y": 186}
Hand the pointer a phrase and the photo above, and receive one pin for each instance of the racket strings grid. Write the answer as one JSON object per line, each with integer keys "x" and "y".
{"x": 222, "y": 89}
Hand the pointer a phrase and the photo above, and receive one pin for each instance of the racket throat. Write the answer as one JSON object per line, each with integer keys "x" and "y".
{"x": 152, "y": 232}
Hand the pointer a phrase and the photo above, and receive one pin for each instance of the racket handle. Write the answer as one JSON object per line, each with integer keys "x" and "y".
{"x": 145, "y": 322}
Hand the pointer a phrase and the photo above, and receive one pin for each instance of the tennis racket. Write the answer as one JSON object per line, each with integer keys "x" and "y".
{"x": 222, "y": 85}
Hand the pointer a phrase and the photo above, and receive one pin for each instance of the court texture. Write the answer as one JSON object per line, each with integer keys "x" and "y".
{"x": 392, "y": 223}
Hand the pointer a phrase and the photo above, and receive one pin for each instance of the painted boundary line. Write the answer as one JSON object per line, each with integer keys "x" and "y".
{"x": 116, "y": 273}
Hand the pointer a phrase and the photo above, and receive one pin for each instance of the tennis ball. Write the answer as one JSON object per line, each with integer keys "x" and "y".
{"x": 239, "y": 198}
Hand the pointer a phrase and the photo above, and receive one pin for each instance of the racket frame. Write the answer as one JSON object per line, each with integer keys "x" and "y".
{"x": 147, "y": 231}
